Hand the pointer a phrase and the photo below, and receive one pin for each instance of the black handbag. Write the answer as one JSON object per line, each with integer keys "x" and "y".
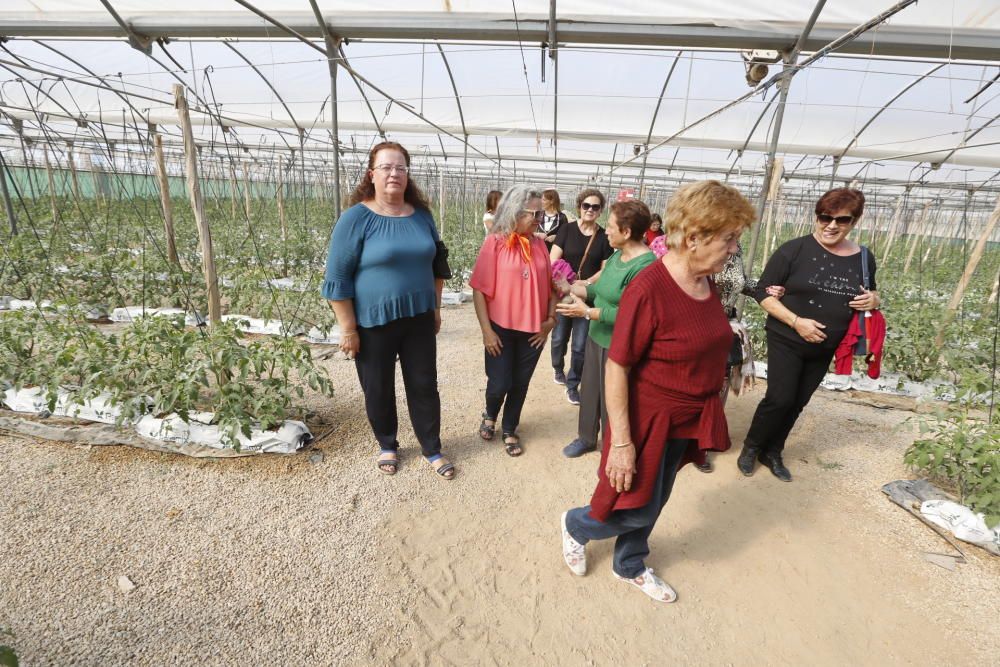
{"x": 735, "y": 352}
{"x": 440, "y": 265}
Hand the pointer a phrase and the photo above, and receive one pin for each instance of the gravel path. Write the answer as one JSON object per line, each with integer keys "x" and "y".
{"x": 295, "y": 560}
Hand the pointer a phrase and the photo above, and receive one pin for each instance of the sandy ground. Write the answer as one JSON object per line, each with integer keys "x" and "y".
{"x": 296, "y": 560}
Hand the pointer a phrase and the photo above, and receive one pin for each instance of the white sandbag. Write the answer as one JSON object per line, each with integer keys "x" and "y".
{"x": 256, "y": 325}
{"x": 452, "y": 298}
{"x": 97, "y": 409}
{"x": 289, "y": 437}
{"x": 286, "y": 284}
{"x": 28, "y": 304}
{"x": 963, "y": 523}
{"x": 320, "y": 337}
{"x": 133, "y": 313}
{"x": 29, "y": 399}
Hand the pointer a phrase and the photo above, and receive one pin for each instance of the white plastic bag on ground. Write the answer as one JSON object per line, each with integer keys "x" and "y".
{"x": 288, "y": 438}
{"x": 96, "y": 410}
{"x": 965, "y": 524}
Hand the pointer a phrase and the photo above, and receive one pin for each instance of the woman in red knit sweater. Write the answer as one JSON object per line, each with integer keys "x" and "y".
{"x": 664, "y": 372}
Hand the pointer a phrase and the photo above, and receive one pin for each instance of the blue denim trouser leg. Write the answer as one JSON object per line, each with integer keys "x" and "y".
{"x": 560, "y": 339}
{"x": 578, "y": 351}
{"x": 632, "y": 527}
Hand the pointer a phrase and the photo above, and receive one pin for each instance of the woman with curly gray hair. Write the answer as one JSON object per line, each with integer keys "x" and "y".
{"x": 515, "y": 303}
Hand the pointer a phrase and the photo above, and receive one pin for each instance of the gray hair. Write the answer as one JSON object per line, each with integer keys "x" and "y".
{"x": 511, "y": 204}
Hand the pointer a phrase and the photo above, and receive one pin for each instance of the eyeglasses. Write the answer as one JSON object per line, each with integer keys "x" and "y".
{"x": 591, "y": 207}
{"x": 538, "y": 215}
{"x": 841, "y": 220}
{"x": 389, "y": 168}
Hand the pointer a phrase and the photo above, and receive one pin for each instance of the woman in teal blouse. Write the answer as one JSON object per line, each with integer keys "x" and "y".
{"x": 626, "y": 230}
{"x": 384, "y": 274}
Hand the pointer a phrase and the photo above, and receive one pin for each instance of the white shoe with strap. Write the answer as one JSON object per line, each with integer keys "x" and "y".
{"x": 574, "y": 553}
{"x": 651, "y": 585}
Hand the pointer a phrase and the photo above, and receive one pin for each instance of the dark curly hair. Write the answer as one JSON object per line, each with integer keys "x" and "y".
{"x": 839, "y": 199}
{"x": 589, "y": 192}
{"x": 366, "y": 188}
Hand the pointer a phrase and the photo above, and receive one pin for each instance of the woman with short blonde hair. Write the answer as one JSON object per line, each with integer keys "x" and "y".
{"x": 663, "y": 376}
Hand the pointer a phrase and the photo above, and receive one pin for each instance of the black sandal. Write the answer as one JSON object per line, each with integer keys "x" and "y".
{"x": 385, "y": 465}
{"x": 514, "y": 446}
{"x": 486, "y": 431}
{"x": 446, "y": 469}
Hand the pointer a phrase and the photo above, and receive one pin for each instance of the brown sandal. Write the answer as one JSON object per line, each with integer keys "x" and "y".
{"x": 486, "y": 431}
{"x": 512, "y": 443}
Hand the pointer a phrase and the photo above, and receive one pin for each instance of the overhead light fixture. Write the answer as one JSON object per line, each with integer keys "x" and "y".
{"x": 756, "y": 63}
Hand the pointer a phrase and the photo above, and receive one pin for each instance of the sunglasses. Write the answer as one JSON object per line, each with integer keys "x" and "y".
{"x": 538, "y": 215}
{"x": 841, "y": 220}
{"x": 591, "y": 207}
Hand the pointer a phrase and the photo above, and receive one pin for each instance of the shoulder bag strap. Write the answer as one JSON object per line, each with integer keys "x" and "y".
{"x": 586, "y": 251}
{"x": 865, "y": 277}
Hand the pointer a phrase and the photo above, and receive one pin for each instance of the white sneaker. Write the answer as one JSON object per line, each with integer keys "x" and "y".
{"x": 573, "y": 552}
{"x": 651, "y": 585}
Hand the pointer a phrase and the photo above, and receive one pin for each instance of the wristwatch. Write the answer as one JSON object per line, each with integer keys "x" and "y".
{"x": 586, "y": 314}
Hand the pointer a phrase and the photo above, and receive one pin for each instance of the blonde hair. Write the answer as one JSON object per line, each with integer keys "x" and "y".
{"x": 705, "y": 208}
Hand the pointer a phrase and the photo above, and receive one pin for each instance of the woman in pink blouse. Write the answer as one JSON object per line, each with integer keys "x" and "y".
{"x": 515, "y": 303}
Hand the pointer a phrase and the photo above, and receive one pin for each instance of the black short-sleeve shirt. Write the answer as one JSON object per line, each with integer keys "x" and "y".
{"x": 574, "y": 243}
{"x": 818, "y": 285}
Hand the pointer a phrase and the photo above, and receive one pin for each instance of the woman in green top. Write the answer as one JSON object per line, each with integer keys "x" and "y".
{"x": 626, "y": 230}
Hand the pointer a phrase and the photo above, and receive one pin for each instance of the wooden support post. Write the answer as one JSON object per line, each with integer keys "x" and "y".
{"x": 72, "y": 172}
{"x": 168, "y": 208}
{"x": 996, "y": 288}
{"x": 5, "y": 193}
{"x": 232, "y": 189}
{"x": 896, "y": 221}
{"x": 246, "y": 190}
{"x": 281, "y": 217}
{"x": 52, "y": 186}
{"x": 772, "y": 195}
{"x": 918, "y": 231}
{"x": 977, "y": 254}
{"x": 198, "y": 207}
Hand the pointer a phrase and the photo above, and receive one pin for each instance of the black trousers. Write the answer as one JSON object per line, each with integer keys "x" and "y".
{"x": 794, "y": 371}
{"x": 413, "y": 341}
{"x": 593, "y": 406}
{"x": 508, "y": 376}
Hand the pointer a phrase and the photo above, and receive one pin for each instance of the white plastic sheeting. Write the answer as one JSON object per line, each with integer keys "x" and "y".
{"x": 197, "y": 434}
{"x": 607, "y": 96}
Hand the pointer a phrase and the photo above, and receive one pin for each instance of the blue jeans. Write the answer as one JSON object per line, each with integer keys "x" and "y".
{"x": 574, "y": 331}
{"x": 632, "y": 527}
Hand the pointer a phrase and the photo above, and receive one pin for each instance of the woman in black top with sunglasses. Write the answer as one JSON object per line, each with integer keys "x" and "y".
{"x": 822, "y": 277}
{"x": 584, "y": 246}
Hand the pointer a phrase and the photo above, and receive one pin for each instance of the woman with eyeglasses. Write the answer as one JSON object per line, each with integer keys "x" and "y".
{"x": 584, "y": 246}
{"x": 822, "y": 276}
{"x": 384, "y": 274}
{"x": 515, "y": 302}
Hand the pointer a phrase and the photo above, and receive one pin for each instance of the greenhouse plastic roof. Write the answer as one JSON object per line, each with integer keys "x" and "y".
{"x": 898, "y": 116}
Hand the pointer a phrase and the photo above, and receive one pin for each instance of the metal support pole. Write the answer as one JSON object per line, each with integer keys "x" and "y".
{"x": 554, "y": 55}
{"x": 788, "y": 71}
{"x": 332, "y": 46}
{"x": 7, "y": 203}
